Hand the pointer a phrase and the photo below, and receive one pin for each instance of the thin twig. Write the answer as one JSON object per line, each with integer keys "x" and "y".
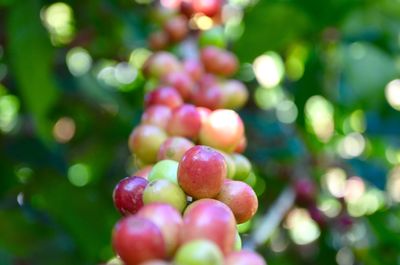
{"x": 264, "y": 227}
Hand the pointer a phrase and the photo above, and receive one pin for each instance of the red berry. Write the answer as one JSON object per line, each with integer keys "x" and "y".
{"x": 173, "y": 148}
{"x": 176, "y": 28}
{"x": 209, "y": 97}
{"x": 240, "y": 198}
{"x": 128, "y": 194}
{"x": 207, "y": 7}
{"x": 158, "y": 40}
{"x": 305, "y": 190}
{"x": 167, "y": 219}
{"x": 166, "y": 95}
{"x": 222, "y": 130}
{"x": 143, "y": 172}
{"x": 185, "y": 121}
{"x": 181, "y": 82}
{"x": 158, "y": 115}
{"x": 201, "y": 172}
{"x": 193, "y": 68}
{"x": 136, "y": 239}
{"x": 244, "y": 257}
{"x": 212, "y": 220}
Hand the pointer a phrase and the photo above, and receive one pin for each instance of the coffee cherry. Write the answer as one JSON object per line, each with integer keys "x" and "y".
{"x": 207, "y": 7}
{"x": 234, "y": 94}
{"x": 199, "y": 252}
{"x": 165, "y": 191}
{"x": 181, "y": 82}
{"x": 201, "y": 172}
{"x": 158, "y": 115}
{"x": 165, "y": 95}
{"x": 143, "y": 172}
{"x": 136, "y": 239}
{"x": 165, "y": 169}
{"x": 145, "y": 141}
{"x": 242, "y": 145}
{"x": 244, "y": 257}
{"x": 156, "y": 262}
{"x": 186, "y": 8}
{"x": 173, "y": 148}
{"x": 193, "y": 68}
{"x": 222, "y": 130}
{"x": 242, "y": 165}
{"x": 212, "y": 220}
{"x": 209, "y": 97}
{"x": 160, "y": 64}
{"x": 240, "y": 198}
{"x": 158, "y": 40}
{"x": 168, "y": 220}
{"x": 128, "y": 195}
{"x": 176, "y": 28}
{"x": 185, "y": 121}
{"x": 305, "y": 190}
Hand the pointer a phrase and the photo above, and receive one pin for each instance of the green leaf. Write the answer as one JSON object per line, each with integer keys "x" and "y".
{"x": 31, "y": 57}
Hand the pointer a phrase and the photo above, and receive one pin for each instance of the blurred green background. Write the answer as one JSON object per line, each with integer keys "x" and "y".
{"x": 327, "y": 101}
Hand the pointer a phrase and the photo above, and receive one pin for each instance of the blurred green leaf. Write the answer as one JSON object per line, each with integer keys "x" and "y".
{"x": 31, "y": 57}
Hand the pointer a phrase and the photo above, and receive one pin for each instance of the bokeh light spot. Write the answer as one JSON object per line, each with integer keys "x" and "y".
{"x": 392, "y": 94}
{"x": 269, "y": 69}
{"x": 64, "y": 130}
{"x": 79, "y": 61}
{"x": 79, "y": 175}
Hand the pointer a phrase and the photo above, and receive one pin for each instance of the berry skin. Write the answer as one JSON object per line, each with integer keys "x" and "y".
{"x": 181, "y": 82}
{"x": 207, "y": 7}
{"x": 240, "y": 198}
{"x": 158, "y": 115}
{"x": 185, "y": 121}
{"x": 201, "y": 172}
{"x": 212, "y": 220}
{"x": 173, "y": 148}
{"x": 128, "y": 195}
{"x": 176, "y": 28}
{"x": 305, "y": 191}
{"x": 136, "y": 239}
{"x": 145, "y": 141}
{"x": 165, "y": 95}
{"x": 222, "y": 130}
{"x": 244, "y": 257}
{"x": 168, "y": 220}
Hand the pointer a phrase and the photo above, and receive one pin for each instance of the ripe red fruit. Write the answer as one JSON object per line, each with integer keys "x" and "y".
{"x": 222, "y": 130}
{"x": 167, "y": 96}
{"x": 176, "y": 28}
{"x": 143, "y": 172}
{"x": 244, "y": 257}
{"x": 207, "y": 7}
{"x": 212, "y": 220}
{"x": 242, "y": 145}
{"x": 158, "y": 40}
{"x": 181, "y": 82}
{"x": 240, "y": 198}
{"x": 158, "y": 115}
{"x": 173, "y": 148}
{"x": 201, "y": 172}
{"x": 136, "y": 240}
{"x": 145, "y": 140}
{"x": 185, "y": 121}
{"x": 168, "y": 220}
{"x": 160, "y": 64}
{"x": 204, "y": 112}
{"x": 186, "y": 8}
{"x": 193, "y": 68}
{"x": 305, "y": 190}
{"x": 209, "y": 97}
{"x": 317, "y": 215}
{"x": 128, "y": 195}
{"x": 234, "y": 94}
{"x": 156, "y": 262}
{"x": 218, "y": 61}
